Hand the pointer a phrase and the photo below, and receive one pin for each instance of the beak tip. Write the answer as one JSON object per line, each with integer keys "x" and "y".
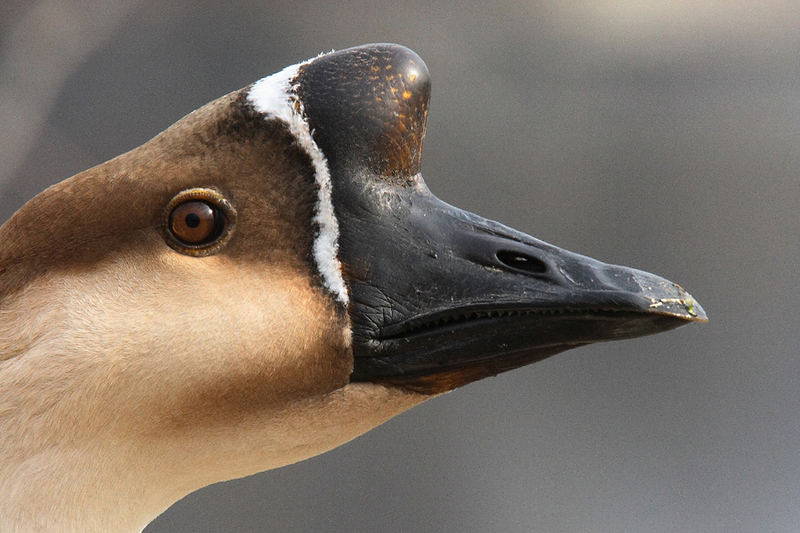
{"x": 696, "y": 310}
{"x": 670, "y": 299}
{"x": 679, "y": 304}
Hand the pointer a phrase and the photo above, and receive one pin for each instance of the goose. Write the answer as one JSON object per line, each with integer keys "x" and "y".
{"x": 265, "y": 280}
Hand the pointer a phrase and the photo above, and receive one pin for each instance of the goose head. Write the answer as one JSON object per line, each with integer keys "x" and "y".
{"x": 265, "y": 280}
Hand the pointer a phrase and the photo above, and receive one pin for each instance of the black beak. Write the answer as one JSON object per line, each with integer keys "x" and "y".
{"x": 441, "y": 297}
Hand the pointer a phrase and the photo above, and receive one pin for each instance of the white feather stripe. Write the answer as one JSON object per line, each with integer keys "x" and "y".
{"x": 274, "y": 97}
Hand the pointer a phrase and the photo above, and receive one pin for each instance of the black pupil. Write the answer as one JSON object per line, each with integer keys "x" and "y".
{"x": 192, "y": 220}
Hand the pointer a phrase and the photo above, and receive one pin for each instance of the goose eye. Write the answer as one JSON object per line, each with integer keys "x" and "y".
{"x": 198, "y": 221}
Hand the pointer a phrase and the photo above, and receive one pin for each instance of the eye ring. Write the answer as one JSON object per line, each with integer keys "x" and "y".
{"x": 198, "y": 221}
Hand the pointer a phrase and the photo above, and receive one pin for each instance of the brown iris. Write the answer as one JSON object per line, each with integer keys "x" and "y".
{"x": 198, "y": 221}
{"x": 195, "y": 222}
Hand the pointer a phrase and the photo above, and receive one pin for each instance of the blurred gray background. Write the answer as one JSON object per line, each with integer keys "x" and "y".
{"x": 661, "y": 135}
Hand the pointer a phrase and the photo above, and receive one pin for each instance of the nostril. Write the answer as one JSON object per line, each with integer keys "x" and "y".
{"x": 523, "y": 262}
